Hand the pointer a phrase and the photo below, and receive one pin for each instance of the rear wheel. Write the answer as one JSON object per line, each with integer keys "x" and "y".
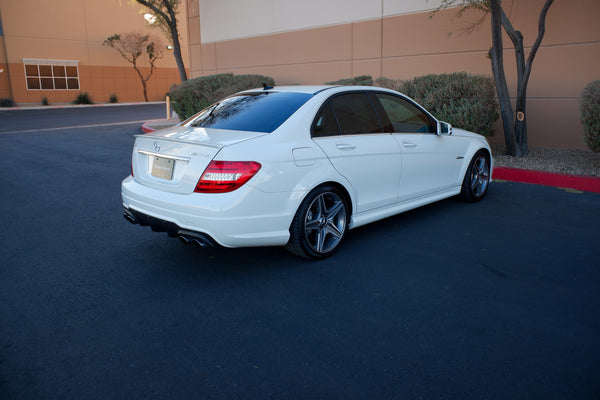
{"x": 477, "y": 179}
{"x": 320, "y": 224}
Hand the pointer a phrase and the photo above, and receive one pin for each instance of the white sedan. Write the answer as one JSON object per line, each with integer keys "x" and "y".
{"x": 298, "y": 166}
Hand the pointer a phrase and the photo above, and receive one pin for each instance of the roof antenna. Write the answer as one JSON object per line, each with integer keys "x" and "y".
{"x": 267, "y": 87}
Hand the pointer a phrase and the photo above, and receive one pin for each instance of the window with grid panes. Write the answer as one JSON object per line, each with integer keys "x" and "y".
{"x": 51, "y": 74}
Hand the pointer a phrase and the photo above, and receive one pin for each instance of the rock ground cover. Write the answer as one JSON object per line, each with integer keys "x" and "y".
{"x": 563, "y": 161}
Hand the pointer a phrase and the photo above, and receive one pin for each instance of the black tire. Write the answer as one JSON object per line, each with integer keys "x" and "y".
{"x": 320, "y": 224}
{"x": 477, "y": 178}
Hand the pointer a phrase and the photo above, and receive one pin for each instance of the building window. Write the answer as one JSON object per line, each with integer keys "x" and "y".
{"x": 51, "y": 74}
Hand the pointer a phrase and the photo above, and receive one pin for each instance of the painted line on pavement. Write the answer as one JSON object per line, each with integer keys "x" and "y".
{"x": 72, "y": 127}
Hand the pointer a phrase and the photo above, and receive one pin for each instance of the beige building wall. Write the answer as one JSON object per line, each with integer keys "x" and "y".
{"x": 73, "y": 31}
{"x": 295, "y": 44}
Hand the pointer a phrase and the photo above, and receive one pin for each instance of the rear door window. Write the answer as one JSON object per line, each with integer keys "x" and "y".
{"x": 355, "y": 114}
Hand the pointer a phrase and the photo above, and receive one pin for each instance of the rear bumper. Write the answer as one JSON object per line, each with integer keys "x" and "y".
{"x": 243, "y": 218}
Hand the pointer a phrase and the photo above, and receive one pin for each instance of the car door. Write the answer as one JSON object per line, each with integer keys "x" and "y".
{"x": 348, "y": 129}
{"x": 430, "y": 162}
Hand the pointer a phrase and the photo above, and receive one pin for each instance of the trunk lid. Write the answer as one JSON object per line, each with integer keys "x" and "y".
{"x": 174, "y": 159}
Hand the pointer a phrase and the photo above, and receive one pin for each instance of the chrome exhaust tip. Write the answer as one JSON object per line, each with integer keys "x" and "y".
{"x": 130, "y": 218}
{"x": 197, "y": 239}
{"x": 198, "y": 243}
{"x": 185, "y": 239}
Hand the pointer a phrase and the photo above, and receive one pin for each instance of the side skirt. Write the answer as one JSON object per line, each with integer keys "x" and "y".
{"x": 397, "y": 208}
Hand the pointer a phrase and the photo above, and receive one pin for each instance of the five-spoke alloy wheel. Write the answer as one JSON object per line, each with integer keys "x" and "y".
{"x": 477, "y": 178}
{"x": 320, "y": 224}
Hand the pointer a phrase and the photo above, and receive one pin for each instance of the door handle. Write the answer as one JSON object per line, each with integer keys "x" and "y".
{"x": 406, "y": 143}
{"x": 345, "y": 146}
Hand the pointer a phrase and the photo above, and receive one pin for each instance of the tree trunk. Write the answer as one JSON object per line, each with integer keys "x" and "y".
{"x": 145, "y": 90}
{"x": 520, "y": 126}
{"x": 177, "y": 54}
{"x": 519, "y": 145}
{"x": 513, "y": 124}
{"x": 141, "y": 79}
{"x": 497, "y": 56}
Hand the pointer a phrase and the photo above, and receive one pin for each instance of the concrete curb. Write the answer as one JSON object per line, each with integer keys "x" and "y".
{"x": 67, "y": 105}
{"x": 156, "y": 124}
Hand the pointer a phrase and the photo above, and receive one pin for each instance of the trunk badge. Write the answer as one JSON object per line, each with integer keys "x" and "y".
{"x": 156, "y": 146}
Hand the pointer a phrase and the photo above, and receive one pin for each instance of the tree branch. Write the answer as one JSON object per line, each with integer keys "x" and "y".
{"x": 169, "y": 25}
{"x": 154, "y": 8}
{"x": 538, "y": 40}
{"x": 508, "y": 28}
{"x": 517, "y": 39}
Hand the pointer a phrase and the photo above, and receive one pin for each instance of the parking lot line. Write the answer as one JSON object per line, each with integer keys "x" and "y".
{"x": 72, "y": 127}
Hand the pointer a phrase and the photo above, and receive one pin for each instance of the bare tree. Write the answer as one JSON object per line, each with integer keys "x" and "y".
{"x": 514, "y": 121}
{"x": 166, "y": 13}
{"x": 132, "y": 46}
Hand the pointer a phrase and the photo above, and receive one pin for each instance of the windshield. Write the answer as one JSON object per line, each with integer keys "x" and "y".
{"x": 255, "y": 112}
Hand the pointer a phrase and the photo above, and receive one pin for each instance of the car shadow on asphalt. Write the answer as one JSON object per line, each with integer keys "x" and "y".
{"x": 359, "y": 244}
{"x": 378, "y": 242}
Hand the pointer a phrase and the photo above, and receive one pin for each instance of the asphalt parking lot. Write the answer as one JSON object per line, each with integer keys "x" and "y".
{"x": 494, "y": 300}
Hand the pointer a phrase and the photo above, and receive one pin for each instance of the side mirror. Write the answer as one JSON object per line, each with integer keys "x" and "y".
{"x": 444, "y": 128}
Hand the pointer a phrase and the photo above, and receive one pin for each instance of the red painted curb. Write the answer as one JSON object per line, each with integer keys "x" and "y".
{"x": 579, "y": 182}
{"x": 146, "y": 128}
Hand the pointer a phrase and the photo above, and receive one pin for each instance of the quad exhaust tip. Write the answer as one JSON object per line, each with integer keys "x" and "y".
{"x": 184, "y": 239}
{"x": 130, "y": 218}
{"x": 197, "y": 239}
{"x": 198, "y": 242}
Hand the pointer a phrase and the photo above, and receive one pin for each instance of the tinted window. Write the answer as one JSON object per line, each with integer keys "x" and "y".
{"x": 256, "y": 112}
{"x": 325, "y": 123}
{"x": 355, "y": 113}
{"x": 405, "y": 116}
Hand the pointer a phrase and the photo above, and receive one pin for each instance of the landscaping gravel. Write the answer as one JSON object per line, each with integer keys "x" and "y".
{"x": 563, "y": 161}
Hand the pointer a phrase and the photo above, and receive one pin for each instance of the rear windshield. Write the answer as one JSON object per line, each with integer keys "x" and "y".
{"x": 255, "y": 112}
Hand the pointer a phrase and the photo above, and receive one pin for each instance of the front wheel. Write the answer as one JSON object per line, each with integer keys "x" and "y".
{"x": 319, "y": 225}
{"x": 477, "y": 178}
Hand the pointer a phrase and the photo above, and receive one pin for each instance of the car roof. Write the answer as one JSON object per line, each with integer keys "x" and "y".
{"x": 314, "y": 89}
{"x": 308, "y": 89}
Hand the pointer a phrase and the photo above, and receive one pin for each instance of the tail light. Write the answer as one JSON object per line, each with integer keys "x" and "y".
{"x": 226, "y": 176}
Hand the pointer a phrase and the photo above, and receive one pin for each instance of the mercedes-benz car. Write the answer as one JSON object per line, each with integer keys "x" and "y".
{"x": 298, "y": 167}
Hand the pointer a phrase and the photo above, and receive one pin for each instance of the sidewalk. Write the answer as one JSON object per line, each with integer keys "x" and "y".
{"x": 70, "y": 105}
{"x": 576, "y": 182}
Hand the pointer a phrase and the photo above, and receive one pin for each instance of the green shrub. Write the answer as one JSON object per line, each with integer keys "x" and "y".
{"x": 394, "y": 84}
{"x": 113, "y": 98}
{"x": 363, "y": 80}
{"x": 83, "y": 98}
{"x": 589, "y": 105}
{"x": 45, "y": 101}
{"x": 7, "y": 102}
{"x": 465, "y": 101}
{"x": 196, "y": 94}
